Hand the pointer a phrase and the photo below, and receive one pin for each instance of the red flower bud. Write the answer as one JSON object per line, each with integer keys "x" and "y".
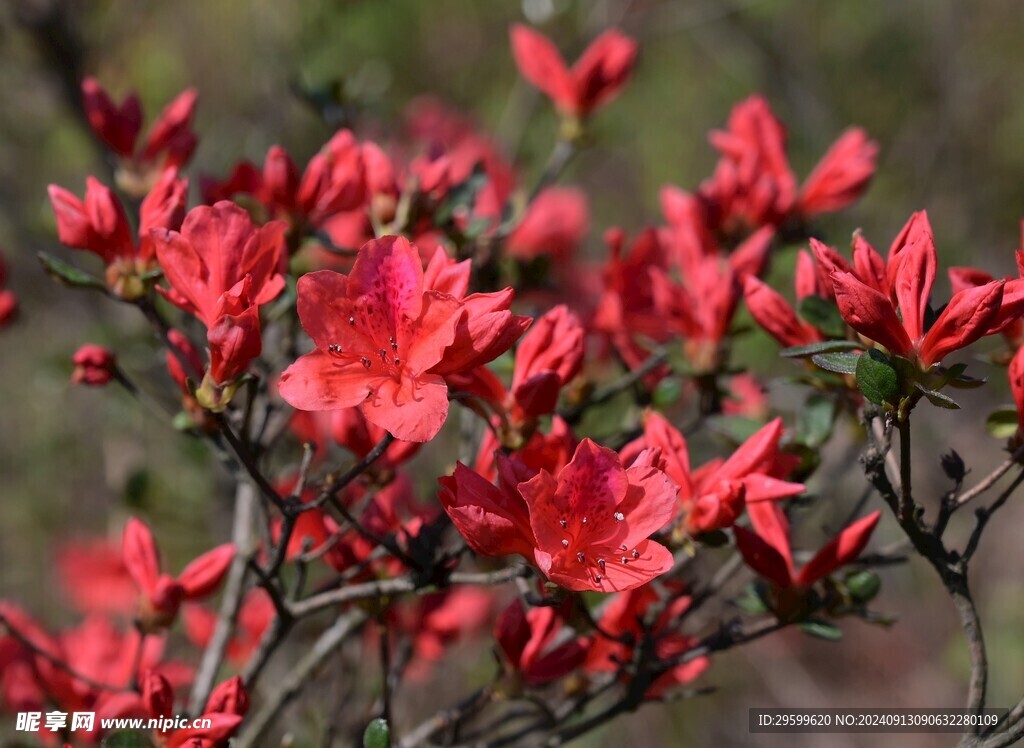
{"x": 94, "y": 365}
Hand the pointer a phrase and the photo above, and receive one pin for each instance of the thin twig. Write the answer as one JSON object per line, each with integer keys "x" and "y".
{"x": 398, "y": 586}
{"x": 299, "y": 676}
{"x": 234, "y": 589}
{"x": 989, "y": 480}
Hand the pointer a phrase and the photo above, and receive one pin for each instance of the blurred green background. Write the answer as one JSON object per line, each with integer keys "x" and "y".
{"x": 936, "y": 82}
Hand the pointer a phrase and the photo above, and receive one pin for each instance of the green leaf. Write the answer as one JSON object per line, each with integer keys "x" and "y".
{"x": 667, "y": 393}
{"x": 750, "y": 602}
{"x": 461, "y": 196}
{"x": 814, "y": 422}
{"x": 839, "y": 363}
{"x": 1002, "y": 423}
{"x": 377, "y": 735}
{"x": 823, "y": 315}
{"x": 828, "y": 346}
{"x": 863, "y": 585}
{"x": 822, "y": 630}
{"x": 937, "y": 398}
{"x": 964, "y": 382}
{"x": 736, "y": 429}
{"x": 876, "y": 378}
{"x": 67, "y": 274}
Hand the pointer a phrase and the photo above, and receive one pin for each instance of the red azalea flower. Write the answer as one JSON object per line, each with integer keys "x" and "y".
{"x": 894, "y": 316}
{"x": 170, "y": 137}
{"x": 713, "y": 496}
{"x": 592, "y": 520}
{"x": 766, "y": 550}
{"x": 532, "y": 644}
{"x": 384, "y": 339}
{"x": 99, "y": 225}
{"x": 207, "y": 262}
{"x": 753, "y": 185}
{"x": 162, "y": 594}
{"x": 597, "y": 77}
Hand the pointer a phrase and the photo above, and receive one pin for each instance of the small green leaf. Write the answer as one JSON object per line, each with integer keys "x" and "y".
{"x": 937, "y": 398}
{"x": 863, "y": 586}
{"x": 823, "y": 315}
{"x": 876, "y": 378}
{"x": 840, "y": 362}
{"x": 736, "y": 429}
{"x": 964, "y": 382}
{"x": 750, "y": 602}
{"x": 828, "y": 346}
{"x": 1002, "y": 423}
{"x": 667, "y": 393}
{"x": 822, "y": 630}
{"x": 182, "y": 421}
{"x": 377, "y": 735}
{"x": 67, "y": 274}
{"x": 814, "y": 422}
{"x": 461, "y": 196}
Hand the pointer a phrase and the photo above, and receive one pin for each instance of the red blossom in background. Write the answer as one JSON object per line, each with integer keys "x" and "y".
{"x": 94, "y": 577}
{"x": 95, "y": 365}
{"x": 597, "y": 77}
{"x": 255, "y": 615}
{"x": 533, "y": 646}
{"x": 224, "y": 710}
{"x": 621, "y": 629}
{"x": 754, "y": 185}
{"x": 555, "y": 224}
{"x": 170, "y": 141}
{"x": 162, "y": 594}
{"x": 8, "y": 301}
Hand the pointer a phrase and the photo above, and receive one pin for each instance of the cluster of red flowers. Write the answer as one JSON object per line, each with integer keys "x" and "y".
{"x": 388, "y": 262}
